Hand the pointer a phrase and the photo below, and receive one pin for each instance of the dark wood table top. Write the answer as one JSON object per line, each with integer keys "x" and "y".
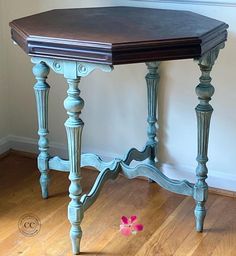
{"x": 118, "y": 35}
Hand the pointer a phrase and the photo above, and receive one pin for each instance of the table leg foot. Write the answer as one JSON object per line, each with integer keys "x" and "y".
{"x": 200, "y": 214}
{"x": 75, "y": 215}
{"x": 44, "y": 182}
{"x": 41, "y": 88}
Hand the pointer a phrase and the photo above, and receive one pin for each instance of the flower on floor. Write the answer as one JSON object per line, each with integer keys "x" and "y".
{"x": 129, "y": 226}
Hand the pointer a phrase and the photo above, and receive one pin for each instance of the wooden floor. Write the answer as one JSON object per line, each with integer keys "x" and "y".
{"x": 167, "y": 218}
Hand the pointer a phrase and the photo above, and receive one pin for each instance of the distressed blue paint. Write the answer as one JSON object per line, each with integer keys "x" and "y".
{"x": 92, "y": 160}
{"x": 88, "y": 199}
{"x": 73, "y": 104}
{"x": 58, "y": 164}
{"x": 204, "y": 111}
{"x": 41, "y": 71}
{"x": 136, "y": 155}
{"x": 74, "y": 125}
{"x": 146, "y": 170}
{"x": 152, "y": 80}
{"x": 73, "y": 71}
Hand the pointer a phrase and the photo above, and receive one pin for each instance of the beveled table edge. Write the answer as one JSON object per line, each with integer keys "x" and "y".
{"x": 115, "y": 54}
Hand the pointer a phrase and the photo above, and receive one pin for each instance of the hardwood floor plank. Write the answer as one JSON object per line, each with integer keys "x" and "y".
{"x": 213, "y": 238}
{"x": 158, "y": 210}
{"x": 227, "y": 244}
{"x": 153, "y": 246}
{"x": 215, "y": 206}
{"x": 167, "y": 218}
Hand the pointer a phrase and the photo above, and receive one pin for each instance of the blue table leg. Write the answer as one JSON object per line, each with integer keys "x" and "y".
{"x": 72, "y": 71}
{"x": 204, "y": 111}
{"x": 74, "y": 125}
{"x": 152, "y": 79}
{"x": 41, "y": 71}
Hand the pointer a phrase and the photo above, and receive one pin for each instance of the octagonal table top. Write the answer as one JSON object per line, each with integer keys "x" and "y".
{"x": 118, "y": 35}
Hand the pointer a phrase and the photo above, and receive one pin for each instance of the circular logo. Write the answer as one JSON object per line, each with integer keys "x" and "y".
{"x": 29, "y": 225}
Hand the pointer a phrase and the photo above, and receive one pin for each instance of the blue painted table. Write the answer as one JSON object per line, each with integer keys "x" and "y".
{"x": 73, "y": 43}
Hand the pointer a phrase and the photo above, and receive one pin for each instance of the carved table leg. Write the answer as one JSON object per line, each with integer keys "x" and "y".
{"x": 204, "y": 111}
{"x": 74, "y": 125}
{"x": 73, "y": 104}
{"x": 41, "y": 71}
{"x": 152, "y": 79}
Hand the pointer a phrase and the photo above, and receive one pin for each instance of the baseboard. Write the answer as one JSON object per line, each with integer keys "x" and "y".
{"x": 224, "y": 181}
{"x": 4, "y": 145}
{"x": 30, "y": 145}
{"x": 223, "y": 184}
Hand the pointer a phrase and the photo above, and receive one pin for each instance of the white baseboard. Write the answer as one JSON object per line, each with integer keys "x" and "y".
{"x": 31, "y": 145}
{"x": 220, "y": 180}
{"x": 4, "y": 145}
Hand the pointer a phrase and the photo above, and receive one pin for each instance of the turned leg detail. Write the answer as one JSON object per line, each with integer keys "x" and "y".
{"x": 204, "y": 111}
{"x": 74, "y": 125}
{"x": 152, "y": 79}
{"x": 74, "y": 104}
{"x": 72, "y": 71}
{"x": 41, "y": 71}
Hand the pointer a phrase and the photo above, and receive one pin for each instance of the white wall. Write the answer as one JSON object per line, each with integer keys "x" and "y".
{"x": 4, "y": 107}
{"x": 115, "y": 110}
{"x": 178, "y": 97}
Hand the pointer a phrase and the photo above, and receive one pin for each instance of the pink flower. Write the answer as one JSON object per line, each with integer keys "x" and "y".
{"x": 128, "y": 226}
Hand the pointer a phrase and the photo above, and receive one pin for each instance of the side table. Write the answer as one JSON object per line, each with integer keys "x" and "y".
{"x": 74, "y": 42}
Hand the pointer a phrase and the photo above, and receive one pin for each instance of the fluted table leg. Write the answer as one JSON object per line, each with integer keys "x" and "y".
{"x": 152, "y": 79}
{"x": 72, "y": 71}
{"x": 74, "y": 125}
{"x": 41, "y": 71}
{"x": 204, "y": 110}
